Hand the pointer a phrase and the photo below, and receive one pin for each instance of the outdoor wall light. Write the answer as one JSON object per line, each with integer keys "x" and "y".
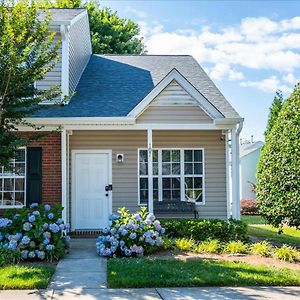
{"x": 120, "y": 158}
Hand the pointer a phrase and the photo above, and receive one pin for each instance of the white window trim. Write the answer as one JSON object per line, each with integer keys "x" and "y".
{"x": 17, "y": 176}
{"x": 181, "y": 175}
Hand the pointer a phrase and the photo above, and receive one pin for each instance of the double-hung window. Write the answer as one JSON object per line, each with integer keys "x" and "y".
{"x": 178, "y": 175}
{"x": 13, "y": 180}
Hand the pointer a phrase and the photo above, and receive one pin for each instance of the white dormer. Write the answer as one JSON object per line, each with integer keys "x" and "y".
{"x": 72, "y": 28}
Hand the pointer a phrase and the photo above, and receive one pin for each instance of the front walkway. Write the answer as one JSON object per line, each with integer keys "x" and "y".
{"x": 82, "y": 275}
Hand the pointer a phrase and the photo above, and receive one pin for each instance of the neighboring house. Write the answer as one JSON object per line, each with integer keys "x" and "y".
{"x": 249, "y": 156}
{"x": 141, "y": 130}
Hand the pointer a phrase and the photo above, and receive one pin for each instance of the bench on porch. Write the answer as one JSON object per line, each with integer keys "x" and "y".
{"x": 174, "y": 209}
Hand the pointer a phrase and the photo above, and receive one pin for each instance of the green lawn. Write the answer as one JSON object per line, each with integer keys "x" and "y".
{"x": 136, "y": 273}
{"x": 23, "y": 277}
{"x": 258, "y": 228}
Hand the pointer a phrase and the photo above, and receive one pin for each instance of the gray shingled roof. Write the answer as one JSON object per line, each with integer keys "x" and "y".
{"x": 112, "y": 85}
{"x": 59, "y": 15}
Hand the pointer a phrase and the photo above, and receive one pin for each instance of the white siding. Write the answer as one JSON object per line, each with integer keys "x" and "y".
{"x": 79, "y": 50}
{"x": 174, "y": 105}
{"x": 52, "y": 78}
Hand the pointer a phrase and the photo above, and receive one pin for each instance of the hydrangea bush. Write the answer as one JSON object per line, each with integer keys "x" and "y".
{"x": 130, "y": 234}
{"x": 37, "y": 232}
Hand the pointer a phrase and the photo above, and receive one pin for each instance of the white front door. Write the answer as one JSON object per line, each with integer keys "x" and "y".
{"x": 91, "y": 203}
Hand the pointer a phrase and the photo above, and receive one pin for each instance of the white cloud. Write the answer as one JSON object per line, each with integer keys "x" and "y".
{"x": 138, "y": 13}
{"x": 268, "y": 85}
{"x": 291, "y": 79}
{"x": 255, "y": 43}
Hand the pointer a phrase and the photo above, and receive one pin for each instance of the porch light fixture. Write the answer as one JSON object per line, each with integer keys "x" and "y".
{"x": 120, "y": 158}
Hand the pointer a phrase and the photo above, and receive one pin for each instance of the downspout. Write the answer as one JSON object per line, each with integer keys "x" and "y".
{"x": 236, "y": 210}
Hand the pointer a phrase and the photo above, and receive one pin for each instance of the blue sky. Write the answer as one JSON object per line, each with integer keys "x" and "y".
{"x": 249, "y": 48}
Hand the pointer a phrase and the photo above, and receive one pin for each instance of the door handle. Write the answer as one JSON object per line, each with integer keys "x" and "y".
{"x": 108, "y": 187}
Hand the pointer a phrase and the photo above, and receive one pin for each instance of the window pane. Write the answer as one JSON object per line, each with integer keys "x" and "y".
{"x": 175, "y": 155}
{"x": 155, "y": 195}
{"x": 176, "y": 168}
{"x": 155, "y": 155}
{"x": 20, "y": 169}
{"x": 155, "y": 168}
{"x": 144, "y": 196}
{"x": 143, "y": 183}
{"x": 20, "y": 155}
{"x": 197, "y": 168}
{"x": 166, "y": 168}
{"x": 155, "y": 183}
{"x": 8, "y": 184}
{"x": 166, "y": 195}
{"x": 143, "y": 169}
{"x": 166, "y": 183}
{"x": 19, "y": 184}
{"x": 8, "y": 198}
{"x": 143, "y": 156}
{"x": 9, "y": 171}
{"x": 198, "y": 182}
{"x": 166, "y": 157}
{"x": 176, "y": 183}
{"x": 188, "y": 155}
{"x": 176, "y": 195}
{"x": 188, "y": 168}
{"x": 19, "y": 198}
{"x": 197, "y": 155}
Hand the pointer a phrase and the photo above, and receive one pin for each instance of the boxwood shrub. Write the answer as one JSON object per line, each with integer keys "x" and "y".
{"x": 203, "y": 229}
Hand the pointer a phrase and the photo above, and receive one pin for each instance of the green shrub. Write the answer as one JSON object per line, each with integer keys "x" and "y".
{"x": 204, "y": 229}
{"x": 168, "y": 244}
{"x": 209, "y": 246}
{"x": 236, "y": 247}
{"x": 185, "y": 244}
{"x": 8, "y": 257}
{"x": 286, "y": 253}
{"x": 262, "y": 249}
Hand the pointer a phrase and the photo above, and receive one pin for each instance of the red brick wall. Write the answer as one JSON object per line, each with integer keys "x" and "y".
{"x": 51, "y": 166}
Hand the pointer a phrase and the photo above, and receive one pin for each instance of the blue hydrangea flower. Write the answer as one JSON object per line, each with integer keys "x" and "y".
{"x": 59, "y": 221}
{"x": 54, "y": 227}
{"x": 33, "y": 205}
{"x": 162, "y": 230}
{"x": 4, "y": 222}
{"x": 36, "y": 213}
{"x": 27, "y": 226}
{"x": 50, "y": 216}
{"x": 137, "y": 217}
{"x": 25, "y": 240}
{"x": 132, "y": 235}
{"x": 31, "y": 254}
{"x": 122, "y": 243}
{"x": 46, "y": 241}
{"x": 47, "y": 235}
{"x": 45, "y": 226}
{"x": 31, "y": 218}
{"x": 62, "y": 227}
{"x": 40, "y": 255}
{"x": 113, "y": 217}
{"x": 49, "y": 247}
{"x": 127, "y": 252}
{"x": 124, "y": 232}
{"x": 47, "y": 207}
{"x": 24, "y": 254}
{"x": 12, "y": 245}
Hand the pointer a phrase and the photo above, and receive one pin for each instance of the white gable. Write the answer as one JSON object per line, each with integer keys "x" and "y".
{"x": 174, "y": 94}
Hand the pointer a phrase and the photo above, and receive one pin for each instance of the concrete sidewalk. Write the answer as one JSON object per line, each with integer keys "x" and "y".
{"x": 82, "y": 275}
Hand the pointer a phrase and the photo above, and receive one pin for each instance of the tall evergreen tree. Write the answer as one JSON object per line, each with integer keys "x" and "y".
{"x": 278, "y": 177}
{"x": 27, "y": 53}
{"x": 274, "y": 111}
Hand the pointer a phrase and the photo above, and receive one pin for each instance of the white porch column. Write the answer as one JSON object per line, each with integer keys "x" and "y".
{"x": 64, "y": 173}
{"x": 235, "y": 165}
{"x": 150, "y": 171}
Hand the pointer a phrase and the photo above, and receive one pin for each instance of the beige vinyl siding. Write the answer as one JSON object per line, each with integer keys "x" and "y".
{"x": 174, "y": 105}
{"x": 53, "y": 77}
{"x": 79, "y": 50}
{"x": 214, "y": 165}
{"x": 125, "y": 177}
{"x": 174, "y": 115}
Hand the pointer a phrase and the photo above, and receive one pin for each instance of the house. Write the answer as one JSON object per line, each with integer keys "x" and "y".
{"x": 249, "y": 156}
{"x": 141, "y": 130}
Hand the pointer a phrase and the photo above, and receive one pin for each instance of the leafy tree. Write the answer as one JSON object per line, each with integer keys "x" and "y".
{"x": 278, "y": 177}
{"x": 27, "y": 53}
{"x": 274, "y": 111}
{"x": 109, "y": 33}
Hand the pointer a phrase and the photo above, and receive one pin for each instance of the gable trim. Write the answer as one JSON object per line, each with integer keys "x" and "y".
{"x": 174, "y": 74}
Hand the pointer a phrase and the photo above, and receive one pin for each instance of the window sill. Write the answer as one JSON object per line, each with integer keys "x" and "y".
{"x": 11, "y": 206}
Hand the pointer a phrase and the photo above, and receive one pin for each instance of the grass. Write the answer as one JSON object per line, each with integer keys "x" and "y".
{"x": 267, "y": 232}
{"x": 136, "y": 273}
{"x": 23, "y": 277}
